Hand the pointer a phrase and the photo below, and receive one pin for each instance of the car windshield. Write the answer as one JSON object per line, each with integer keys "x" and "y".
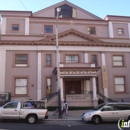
{"x": 99, "y": 106}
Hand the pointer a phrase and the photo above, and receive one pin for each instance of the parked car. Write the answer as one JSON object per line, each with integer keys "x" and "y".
{"x": 20, "y": 110}
{"x": 112, "y": 111}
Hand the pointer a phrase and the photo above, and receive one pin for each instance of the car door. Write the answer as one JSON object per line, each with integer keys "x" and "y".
{"x": 10, "y": 111}
{"x": 121, "y": 111}
{"x": 107, "y": 113}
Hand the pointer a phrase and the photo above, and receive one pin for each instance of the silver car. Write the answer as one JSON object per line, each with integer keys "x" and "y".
{"x": 108, "y": 112}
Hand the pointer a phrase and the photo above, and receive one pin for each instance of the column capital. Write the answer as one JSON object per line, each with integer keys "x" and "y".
{"x": 39, "y": 51}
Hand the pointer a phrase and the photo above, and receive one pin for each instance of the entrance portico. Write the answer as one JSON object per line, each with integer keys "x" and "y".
{"x": 78, "y": 85}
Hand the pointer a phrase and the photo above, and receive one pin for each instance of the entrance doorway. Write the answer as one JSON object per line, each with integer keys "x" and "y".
{"x": 73, "y": 87}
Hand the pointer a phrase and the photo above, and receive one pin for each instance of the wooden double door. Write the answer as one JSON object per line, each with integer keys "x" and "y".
{"x": 73, "y": 87}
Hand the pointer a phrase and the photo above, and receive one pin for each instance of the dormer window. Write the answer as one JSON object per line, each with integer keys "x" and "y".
{"x": 66, "y": 11}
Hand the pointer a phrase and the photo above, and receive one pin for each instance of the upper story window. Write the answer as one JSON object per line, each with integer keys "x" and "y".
{"x": 118, "y": 60}
{"x": 72, "y": 59}
{"x": 91, "y": 30}
{"x": 120, "y": 84}
{"x": 48, "y": 60}
{"x": 66, "y": 11}
{"x": 21, "y": 59}
{"x": 48, "y": 28}
{"x": 120, "y": 31}
{"x": 15, "y": 27}
{"x": 20, "y": 85}
{"x": 94, "y": 59}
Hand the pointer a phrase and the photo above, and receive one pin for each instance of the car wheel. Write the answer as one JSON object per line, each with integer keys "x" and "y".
{"x": 31, "y": 119}
{"x": 128, "y": 118}
{"x": 96, "y": 120}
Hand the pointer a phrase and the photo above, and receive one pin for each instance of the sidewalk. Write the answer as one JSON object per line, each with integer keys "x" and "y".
{"x": 72, "y": 115}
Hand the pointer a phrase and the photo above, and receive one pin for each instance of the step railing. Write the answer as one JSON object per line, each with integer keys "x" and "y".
{"x": 48, "y": 97}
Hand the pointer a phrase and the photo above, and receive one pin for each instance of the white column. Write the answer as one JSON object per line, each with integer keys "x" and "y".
{"x": 104, "y": 64}
{"x": 94, "y": 88}
{"x": 2, "y": 70}
{"x": 61, "y": 88}
{"x": 86, "y": 57}
{"x": 103, "y": 59}
{"x": 39, "y": 74}
{"x": 59, "y": 57}
{"x": 26, "y": 26}
{"x": 110, "y": 26}
{"x": 3, "y": 27}
{"x": 87, "y": 88}
{"x": 129, "y": 29}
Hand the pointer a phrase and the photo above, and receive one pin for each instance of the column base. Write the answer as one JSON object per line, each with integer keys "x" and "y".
{"x": 95, "y": 102}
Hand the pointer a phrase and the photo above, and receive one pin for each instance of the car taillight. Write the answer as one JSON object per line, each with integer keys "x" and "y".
{"x": 46, "y": 113}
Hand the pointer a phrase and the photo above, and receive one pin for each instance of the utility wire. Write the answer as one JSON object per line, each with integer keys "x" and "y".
{"x": 27, "y": 10}
{"x": 23, "y": 5}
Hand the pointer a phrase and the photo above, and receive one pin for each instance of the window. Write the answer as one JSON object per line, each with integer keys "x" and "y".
{"x": 122, "y": 106}
{"x": 21, "y": 86}
{"x": 15, "y": 27}
{"x": 66, "y": 11}
{"x": 48, "y": 60}
{"x": 49, "y": 85}
{"x": 72, "y": 59}
{"x": 48, "y": 28}
{"x": 21, "y": 59}
{"x": 94, "y": 59}
{"x": 91, "y": 30}
{"x": 11, "y": 105}
{"x": 120, "y": 31}
{"x": 120, "y": 84}
{"x": 117, "y": 60}
{"x": 108, "y": 108}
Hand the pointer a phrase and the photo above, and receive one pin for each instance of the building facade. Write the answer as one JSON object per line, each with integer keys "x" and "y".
{"x": 94, "y": 55}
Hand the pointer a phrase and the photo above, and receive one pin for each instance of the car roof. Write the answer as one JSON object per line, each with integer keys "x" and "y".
{"x": 118, "y": 103}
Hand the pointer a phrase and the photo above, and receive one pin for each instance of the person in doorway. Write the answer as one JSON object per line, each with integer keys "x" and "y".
{"x": 65, "y": 108}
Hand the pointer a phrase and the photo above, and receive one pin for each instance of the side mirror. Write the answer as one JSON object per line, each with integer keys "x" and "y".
{"x": 103, "y": 109}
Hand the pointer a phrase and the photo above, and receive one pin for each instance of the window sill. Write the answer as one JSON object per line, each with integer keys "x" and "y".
{"x": 49, "y": 66}
{"x": 20, "y": 66}
{"x": 20, "y": 95}
{"x": 121, "y": 93}
{"x": 118, "y": 66}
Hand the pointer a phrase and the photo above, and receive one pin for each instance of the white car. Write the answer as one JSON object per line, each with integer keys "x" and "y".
{"x": 112, "y": 111}
{"x": 18, "y": 110}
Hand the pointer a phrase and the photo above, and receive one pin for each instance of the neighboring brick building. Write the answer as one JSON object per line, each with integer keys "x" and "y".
{"x": 94, "y": 55}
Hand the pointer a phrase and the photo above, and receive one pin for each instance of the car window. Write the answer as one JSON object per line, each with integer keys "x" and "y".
{"x": 121, "y": 106}
{"x": 108, "y": 108}
{"x": 99, "y": 106}
{"x": 11, "y": 105}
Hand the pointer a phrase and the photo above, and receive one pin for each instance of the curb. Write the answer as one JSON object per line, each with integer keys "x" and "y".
{"x": 63, "y": 120}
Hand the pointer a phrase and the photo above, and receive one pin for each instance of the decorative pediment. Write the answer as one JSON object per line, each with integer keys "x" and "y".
{"x": 73, "y": 35}
{"x": 77, "y": 11}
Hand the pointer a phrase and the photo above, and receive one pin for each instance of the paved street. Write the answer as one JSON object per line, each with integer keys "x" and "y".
{"x": 56, "y": 125}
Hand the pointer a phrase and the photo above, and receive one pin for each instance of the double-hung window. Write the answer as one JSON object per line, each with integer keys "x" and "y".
{"x": 72, "y": 59}
{"x": 120, "y": 84}
{"x": 118, "y": 60}
{"x": 21, "y": 86}
{"x": 21, "y": 59}
{"x": 48, "y": 60}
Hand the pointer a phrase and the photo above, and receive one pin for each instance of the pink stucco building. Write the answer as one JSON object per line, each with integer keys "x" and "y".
{"x": 94, "y": 55}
